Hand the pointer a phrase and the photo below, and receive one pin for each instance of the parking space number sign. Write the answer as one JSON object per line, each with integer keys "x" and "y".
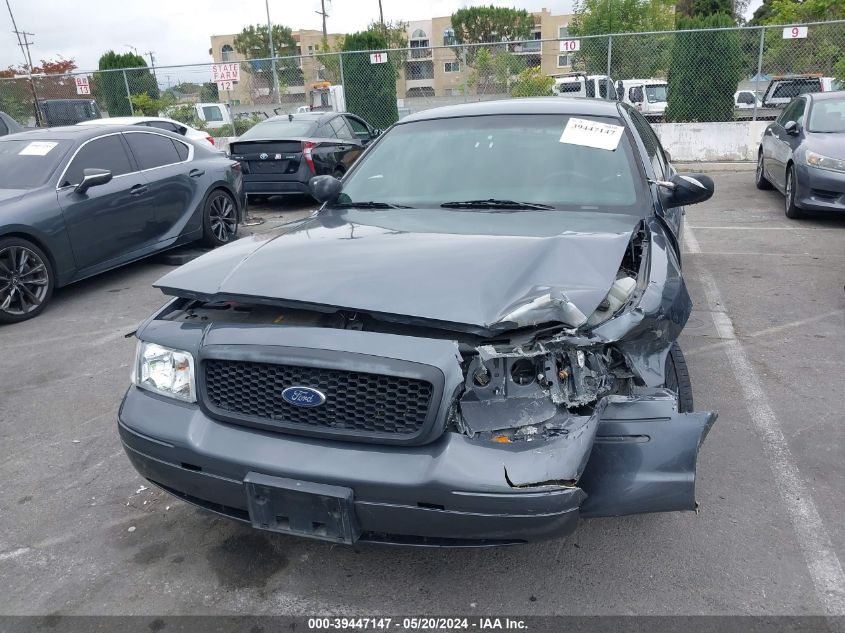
{"x": 570, "y": 46}
{"x": 378, "y": 58}
{"x": 82, "y": 85}
{"x": 794, "y": 32}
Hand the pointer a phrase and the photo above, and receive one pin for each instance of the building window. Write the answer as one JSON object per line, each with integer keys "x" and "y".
{"x": 419, "y": 40}
{"x": 227, "y": 53}
{"x": 449, "y": 37}
{"x": 310, "y": 49}
{"x": 563, "y": 33}
{"x": 564, "y": 61}
{"x": 419, "y": 70}
{"x": 452, "y": 67}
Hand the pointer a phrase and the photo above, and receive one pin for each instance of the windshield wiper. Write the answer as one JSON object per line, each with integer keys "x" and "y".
{"x": 369, "y": 205}
{"x": 492, "y": 203}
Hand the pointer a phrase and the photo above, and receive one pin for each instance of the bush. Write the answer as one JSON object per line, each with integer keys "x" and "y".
{"x": 370, "y": 88}
{"x": 704, "y": 71}
{"x": 531, "y": 82}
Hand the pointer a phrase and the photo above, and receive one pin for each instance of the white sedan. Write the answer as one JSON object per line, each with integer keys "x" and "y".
{"x": 155, "y": 121}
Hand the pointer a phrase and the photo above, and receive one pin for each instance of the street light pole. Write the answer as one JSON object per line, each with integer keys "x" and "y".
{"x": 272, "y": 54}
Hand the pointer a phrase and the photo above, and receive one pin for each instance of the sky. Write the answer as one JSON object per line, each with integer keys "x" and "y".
{"x": 178, "y": 32}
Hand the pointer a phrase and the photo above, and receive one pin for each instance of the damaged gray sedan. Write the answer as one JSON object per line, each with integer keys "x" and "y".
{"x": 472, "y": 342}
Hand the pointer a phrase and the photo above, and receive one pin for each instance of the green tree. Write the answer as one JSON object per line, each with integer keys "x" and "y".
{"x": 494, "y": 70}
{"x": 487, "y": 25}
{"x": 146, "y": 105}
{"x": 704, "y": 71}
{"x": 209, "y": 92}
{"x": 819, "y": 52}
{"x": 532, "y": 82}
{"x": 631, "y": 56}
{"x": 110, "y": 87}
{"x": 253, "y": 42}
{"x": 370, "y": 88}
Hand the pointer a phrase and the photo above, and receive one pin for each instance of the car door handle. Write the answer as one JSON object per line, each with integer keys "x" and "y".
{"x": 139, "y": 190}
{"x": 196, "y": 173}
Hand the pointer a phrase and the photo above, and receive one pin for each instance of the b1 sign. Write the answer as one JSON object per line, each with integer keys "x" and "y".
{"x": 794, "y": 32}
{"x": 225, "y": 72}
{"x": 570, "y": 46}
{"x": 378, "y": 58}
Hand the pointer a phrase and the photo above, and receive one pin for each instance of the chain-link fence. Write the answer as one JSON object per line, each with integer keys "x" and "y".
{"x": 699, "y": 75}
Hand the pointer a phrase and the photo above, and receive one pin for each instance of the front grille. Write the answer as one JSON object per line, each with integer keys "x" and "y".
{"x": 356, "y": 403}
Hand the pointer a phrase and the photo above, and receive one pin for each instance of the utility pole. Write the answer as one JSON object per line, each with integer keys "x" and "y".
{"x": 380, "y": 15}
{"x": 272, "y": 54}
{"x": 325, "y": 15}
{"x": 27, "y": 61}
{"x": 152, "y": 64}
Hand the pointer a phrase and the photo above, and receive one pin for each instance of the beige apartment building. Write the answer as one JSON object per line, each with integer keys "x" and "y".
{"x": 431, "y": 68}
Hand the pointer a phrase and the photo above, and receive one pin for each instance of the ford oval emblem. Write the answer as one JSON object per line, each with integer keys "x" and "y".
{"x": 303, "y": 397}
{"x": 262, "y": 156}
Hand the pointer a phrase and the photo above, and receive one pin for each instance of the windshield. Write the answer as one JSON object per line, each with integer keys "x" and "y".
{"x": 827, "y": 116}
{"x": 504, "y": 157}
{"x": 25, "y": 163}
{"x": 281, "y": 129}
{"x": 655, "y": 93}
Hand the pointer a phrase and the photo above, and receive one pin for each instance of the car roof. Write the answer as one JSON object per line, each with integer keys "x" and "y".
{"x": 532, "y": 105}
{"x": 79, "y": 132}
{"x": 123, "y": 120}
{"x": 825, "y": 96}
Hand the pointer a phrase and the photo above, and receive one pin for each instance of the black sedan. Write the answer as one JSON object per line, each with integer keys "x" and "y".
{"x": 281, "y": 154}
{"x": 76, "y": 201}
{"x": 802, "y": 154}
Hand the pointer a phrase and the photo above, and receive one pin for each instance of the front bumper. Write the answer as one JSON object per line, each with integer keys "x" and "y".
{"x": 453, "y": 491}
{"x": 820, "y": 189}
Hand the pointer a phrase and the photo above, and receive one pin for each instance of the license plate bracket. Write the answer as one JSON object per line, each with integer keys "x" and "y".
{"x": 301, "y": 508}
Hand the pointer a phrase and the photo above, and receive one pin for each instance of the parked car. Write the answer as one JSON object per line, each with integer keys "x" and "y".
{"x": 68, "y": 111}
{"x": 802, "y": 154}
{"x": 212, "y": 115}
{"x": 783, "y": 89}
{"x": 8, "y": 125}
{"x": 76, "y": 201}
{"x": 458, "y": 348}
{"x": 581, "y": 85}
{"x": 648, "y": 96}
{"x": 161, "y": 123}
{"x": 281, "y": 154}
{"x": 747, "y": 100}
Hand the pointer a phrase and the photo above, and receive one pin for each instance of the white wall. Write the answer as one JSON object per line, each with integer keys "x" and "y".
{"x": 711, "y": 142}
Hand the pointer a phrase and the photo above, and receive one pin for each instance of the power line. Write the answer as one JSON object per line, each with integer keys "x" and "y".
{"x": 323, "y": 13}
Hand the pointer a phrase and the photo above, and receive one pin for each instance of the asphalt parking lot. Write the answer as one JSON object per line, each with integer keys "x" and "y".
{"x": 82, "y": 533}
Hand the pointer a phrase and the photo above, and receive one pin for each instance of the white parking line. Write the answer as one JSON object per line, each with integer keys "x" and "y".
{"x": 14, "y": 553}
{"x": 812, "y": 535}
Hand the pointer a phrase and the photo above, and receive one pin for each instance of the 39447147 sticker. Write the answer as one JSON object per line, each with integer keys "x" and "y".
{"x": 37, "y": 148}
{"x": 592, "y": 134}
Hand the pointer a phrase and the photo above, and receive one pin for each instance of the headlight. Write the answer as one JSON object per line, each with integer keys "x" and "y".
{"x": 824, "y": 162}
{"x": 169, "y": 372}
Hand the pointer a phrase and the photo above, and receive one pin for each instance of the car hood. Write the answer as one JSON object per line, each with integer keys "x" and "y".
{"x": 491, "y": 270}
{"x": 828, "y": 144}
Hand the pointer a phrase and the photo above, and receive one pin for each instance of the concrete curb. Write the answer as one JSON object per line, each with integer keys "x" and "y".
{"x": 705, "y": 167}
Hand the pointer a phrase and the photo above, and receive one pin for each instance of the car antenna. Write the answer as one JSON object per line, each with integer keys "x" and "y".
{"x": 290, "y": 117}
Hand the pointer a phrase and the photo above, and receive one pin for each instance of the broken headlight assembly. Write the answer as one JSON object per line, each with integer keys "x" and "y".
{"x": 166, "y": 371}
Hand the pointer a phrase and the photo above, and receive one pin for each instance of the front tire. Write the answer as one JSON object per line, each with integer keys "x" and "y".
{"x": 219, "y": 219}
{"x": 26, "y": 280}
{"x": 760, "y": 175}
{"x": 677, "y": 378}
{"x": 791, "y": 209}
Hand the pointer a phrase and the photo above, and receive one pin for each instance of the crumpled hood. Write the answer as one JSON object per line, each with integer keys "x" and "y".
{"x": 463, "y": 267}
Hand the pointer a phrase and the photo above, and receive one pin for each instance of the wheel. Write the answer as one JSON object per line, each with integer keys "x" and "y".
{"x": 792, "y": 211}
{"x": 26, "y": 280}
{"x": 760, "y": 178}
{"x": 677, "y": 378}
{"x": 219, "y": 219}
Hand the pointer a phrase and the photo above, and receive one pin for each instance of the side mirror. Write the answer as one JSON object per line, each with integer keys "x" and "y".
{"x": 689, "y": 189}
{"x": 92, "y": 178}
{"x": 324, "y": 188}
{"x": 792, "y": 128}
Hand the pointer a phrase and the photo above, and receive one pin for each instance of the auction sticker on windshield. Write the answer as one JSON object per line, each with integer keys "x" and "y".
{"x": 591, "y": 134}
{"x": 37, "y": 148}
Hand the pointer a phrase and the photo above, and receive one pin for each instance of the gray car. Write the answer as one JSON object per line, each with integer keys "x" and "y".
{"x": 472, "y": 342}
{"x": 802, "y": 154}
{"x": 76, "y": 201}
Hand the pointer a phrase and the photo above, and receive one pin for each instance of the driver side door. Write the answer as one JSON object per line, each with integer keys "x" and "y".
{"x": 106, "y": 222}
